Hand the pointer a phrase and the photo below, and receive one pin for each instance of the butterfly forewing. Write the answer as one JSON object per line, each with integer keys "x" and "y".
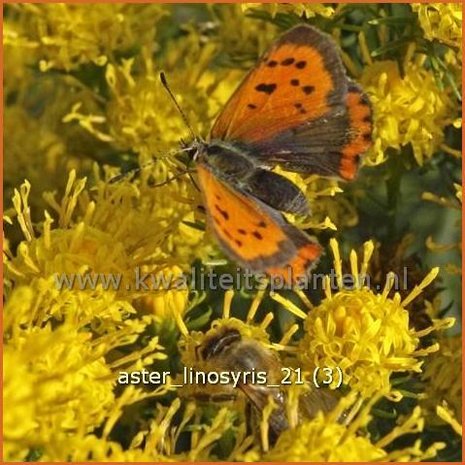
{"x": 300, "y": 79}
{"x": 297, "y": 109}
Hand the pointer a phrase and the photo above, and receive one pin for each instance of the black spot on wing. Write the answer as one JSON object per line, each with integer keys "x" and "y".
{"x": 272, "y": 64}
{"x": 222, "y": 212}
{"x": 266, "y": 88}
{"x": 287, "y": 61}
{"x": 226, "y": 233}
{"x": 251, "y": 106}
{"x": 308, "y": 89}
{"x": 301, "y": 108}
{"x": 295, "y": 82}
{"x": 301, "y": 64}
{"x": 257, "y": 235}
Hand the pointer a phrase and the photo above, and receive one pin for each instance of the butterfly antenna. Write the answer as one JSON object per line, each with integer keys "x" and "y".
{"x": 184, "y": 117}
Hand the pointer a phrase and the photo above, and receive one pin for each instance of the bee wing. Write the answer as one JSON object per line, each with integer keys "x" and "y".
{"x": 258, "y": 396}
{"x": 316, "y": 400}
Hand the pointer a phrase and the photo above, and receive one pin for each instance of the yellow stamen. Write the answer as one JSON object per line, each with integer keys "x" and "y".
{"x": 414, "y": 424}
{"x": 390, "y": 279}
{"x": 327, "y": 287}
{"x": 451, "y": 151}
{"x": 288, "y": 305}
{"x": 228, "y": 296}
{"x": 368, "y": 248}
{"x": 288, "y": 334}
{"x": 354, "y": 268}
{"x": 418, "y": 289}
{"x": 303, "y": 298}
{"x": 255, "y": 304}
{"x": 267, "y": 320}
{"x": 337, "y": 261}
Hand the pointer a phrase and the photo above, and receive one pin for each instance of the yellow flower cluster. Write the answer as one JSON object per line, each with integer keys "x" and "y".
{"x": 365, "y": 334}
{"x": 325, "y": 440}
{"x": 67, "y": 36}
{"x": 300, "y": 9}
{"x": 441, "y": 21}
{"x": 60, "y": 379}
{"x": 409, "y": 109}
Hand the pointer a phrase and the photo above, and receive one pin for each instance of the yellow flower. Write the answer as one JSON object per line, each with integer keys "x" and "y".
{"x": 60, "y": 374}
{"x": 239, "y": 39}
{"x": 155, "y": 443}
{"x": 408, "y": 109}
{"x": 447, "y": 415}
{"x": 172, "y": 303}
{"x": 324, "y": 439}
{"x": 20, "y": 417}
{"x": 120, "y": 246}
{"x": 300, "y": 9}
{"x": 442, "y": 376}
{"x": 67, "y": 36}
{"x": 321, "y": 440}
{"x": 365, "y": 334}
{"x": 141, "y": 115}
{"x": 90, "y": 448}
{"x": 33, "y": 152}
{"x": 441, "y": 21}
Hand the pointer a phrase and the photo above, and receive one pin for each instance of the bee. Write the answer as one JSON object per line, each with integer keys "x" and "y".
{"x": 230, "y": 351}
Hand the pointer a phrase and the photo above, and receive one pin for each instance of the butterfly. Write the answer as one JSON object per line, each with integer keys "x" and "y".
{"x": 297, "y": 109}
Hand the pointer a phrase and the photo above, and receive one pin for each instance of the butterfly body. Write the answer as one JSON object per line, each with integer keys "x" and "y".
{"x": 296, "y": 109}
{"x": 235, "y": 165}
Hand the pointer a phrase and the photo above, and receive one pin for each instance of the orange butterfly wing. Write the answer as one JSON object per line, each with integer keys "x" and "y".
{"x": 252, "y": 233}
{"x": 299, "y": 80}
{"x": 297, "y": 109}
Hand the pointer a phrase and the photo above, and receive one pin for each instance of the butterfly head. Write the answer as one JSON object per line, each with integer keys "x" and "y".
{"x": 196, "y": 150}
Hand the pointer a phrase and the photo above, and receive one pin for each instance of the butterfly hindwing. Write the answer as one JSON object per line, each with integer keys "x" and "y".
{"x": 238, "y": 169}
{"x": 276, "y": 191}
{"x": 317, "y": 148}
{"x": 255, "y": 235}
